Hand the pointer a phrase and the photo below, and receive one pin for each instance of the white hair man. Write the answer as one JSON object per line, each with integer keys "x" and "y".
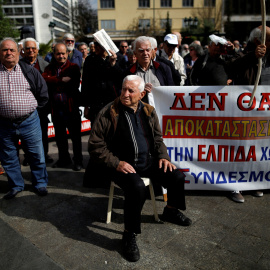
{"x": 154, "y": 73}
{"x": 74, "y": 56}
{"x": 168, "y": 52}
{"x": 128, "y": 149}
{"x": 31, "y": 57}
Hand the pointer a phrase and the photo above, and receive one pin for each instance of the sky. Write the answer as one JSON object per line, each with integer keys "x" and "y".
{"x": 93, "y": 3}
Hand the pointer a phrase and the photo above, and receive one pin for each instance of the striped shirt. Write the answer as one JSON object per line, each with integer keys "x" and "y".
{"x": 16, "y": 98}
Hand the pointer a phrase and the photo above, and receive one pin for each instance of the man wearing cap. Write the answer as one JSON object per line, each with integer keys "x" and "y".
{"x": 168, "y": 52}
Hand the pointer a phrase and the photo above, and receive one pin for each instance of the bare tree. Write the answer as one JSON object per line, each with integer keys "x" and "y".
{"x": 84, "y": 19}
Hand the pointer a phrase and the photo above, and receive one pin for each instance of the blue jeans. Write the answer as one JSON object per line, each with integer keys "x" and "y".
{"x": 29, "y": 132}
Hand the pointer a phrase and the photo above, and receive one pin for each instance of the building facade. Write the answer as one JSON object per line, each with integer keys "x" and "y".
{"x": 127, "y": 19}
{"x": 39, "y": 14}
{"x": 241, "y": 16}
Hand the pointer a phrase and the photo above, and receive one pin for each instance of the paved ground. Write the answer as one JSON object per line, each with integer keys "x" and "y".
{"x": 67, "y": 230}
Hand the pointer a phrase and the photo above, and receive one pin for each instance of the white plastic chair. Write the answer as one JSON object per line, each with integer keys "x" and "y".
{"x": 147, "y": 182}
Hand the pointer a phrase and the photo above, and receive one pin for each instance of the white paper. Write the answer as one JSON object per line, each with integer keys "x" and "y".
{"x": 105, "y": 41}
{"x": 217, "y": 40}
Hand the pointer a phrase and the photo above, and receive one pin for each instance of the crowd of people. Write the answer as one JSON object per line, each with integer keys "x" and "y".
{"x": 125, "y": 141}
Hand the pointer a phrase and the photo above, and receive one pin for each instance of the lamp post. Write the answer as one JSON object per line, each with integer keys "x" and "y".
{"x": 51, "y": 27}
{"x": 191, "y": 23}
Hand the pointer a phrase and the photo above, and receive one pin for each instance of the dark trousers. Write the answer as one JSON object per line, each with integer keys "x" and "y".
{"x": 135, "y": 192}
{"x": 71, "y": 121}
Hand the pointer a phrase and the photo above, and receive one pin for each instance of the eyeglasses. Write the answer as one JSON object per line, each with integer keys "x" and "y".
{"x": 29, "y": 48}
{"x": 70, "y": 40}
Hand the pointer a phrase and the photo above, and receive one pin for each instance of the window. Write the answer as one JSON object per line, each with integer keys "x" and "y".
{"x": 166, "y": 3}
{"x": 144, "y": 24}
{"x": 8, "y": 11}
{"x": 187, "y": 3}
{"x": 107, "y": 3}
{"x": 29, "y": 21}
{"x": 108, "y": 24}
{"x": 144, "y": 3}
{"x": 19, "y": 21}
{"x": 209, "y": 3}
{"x": 163, "y": 23}
{"x": 18, "y": 11}
{"x": 17, "y": 2}
{"x": 28, "y": 10}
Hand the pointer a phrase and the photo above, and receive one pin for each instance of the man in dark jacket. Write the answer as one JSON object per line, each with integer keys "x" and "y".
{"x": 31, "y": 57}
{"x": 211, "y": 69}
{"x": 63, "y": 79}
{"x": 23, "y": 92}
{"x": 101, "y": 81}
{"x": 126, "y": 142}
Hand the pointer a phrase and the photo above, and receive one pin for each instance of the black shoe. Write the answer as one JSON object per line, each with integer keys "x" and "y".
{"x": 77, "y": 166}
{"x": 61, "y": 163}
{"x": 11, "y": 194}
{"x": 42, "y": 191}
{"x": 48, "y": 159}
{"x": 130, "y": 248}
{"x": 173, "y": 215}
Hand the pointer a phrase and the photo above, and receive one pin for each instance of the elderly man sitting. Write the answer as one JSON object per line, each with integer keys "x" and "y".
{"x": 126, "y": 141}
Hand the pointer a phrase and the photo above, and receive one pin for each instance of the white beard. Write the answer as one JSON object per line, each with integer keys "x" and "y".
{"x": 70, "y": 47}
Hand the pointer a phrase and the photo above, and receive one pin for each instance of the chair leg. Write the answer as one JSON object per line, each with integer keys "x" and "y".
{"x": 109, "y": 211}
{"x": 153, "y": 199}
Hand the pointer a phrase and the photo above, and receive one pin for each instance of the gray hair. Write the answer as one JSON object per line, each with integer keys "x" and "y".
{"x": 153, "y": 42}
{"x": 68, "y": 35}
{"x": 140, "y": 39}
{"x": 135, "y": 78}
{"x": 91, "y": 43}
{"x": 81, "y": 44}
{"x": 198, "y": 48}
{"x": 11, "y": 39}
{"x": 30, "y": 39}
{"x": 255, "y": 33}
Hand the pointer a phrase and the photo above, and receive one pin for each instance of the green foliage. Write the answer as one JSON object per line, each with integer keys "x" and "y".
{"x": 44, "y": 48}
{"x": 7, "y": 28}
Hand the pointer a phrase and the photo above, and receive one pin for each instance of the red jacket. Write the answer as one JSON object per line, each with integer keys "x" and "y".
{"x": 63, "y": 93}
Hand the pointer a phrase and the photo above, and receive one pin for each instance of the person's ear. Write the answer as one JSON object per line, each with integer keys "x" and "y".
{"x": 142, "y": 94}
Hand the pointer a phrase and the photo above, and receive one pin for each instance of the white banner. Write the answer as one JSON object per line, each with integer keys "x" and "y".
{"x": 214, "y": 137}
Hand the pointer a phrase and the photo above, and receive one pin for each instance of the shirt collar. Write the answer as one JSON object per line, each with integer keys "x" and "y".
{"x": 150, "y": 66}
{"x": 5, "y": 69}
